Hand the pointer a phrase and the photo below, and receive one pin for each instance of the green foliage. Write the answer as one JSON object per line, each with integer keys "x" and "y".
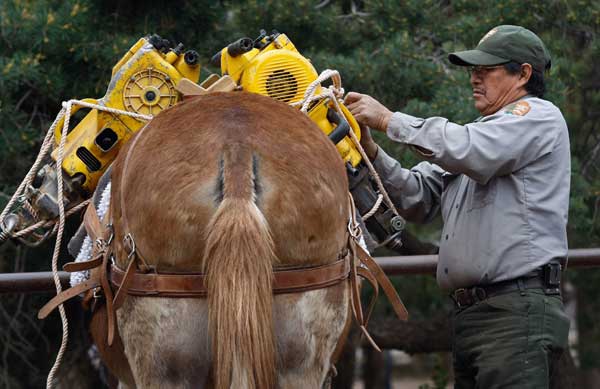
{"x": 54, "y": 50}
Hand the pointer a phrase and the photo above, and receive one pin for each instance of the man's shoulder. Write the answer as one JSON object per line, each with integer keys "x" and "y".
{"x": 527, "y": 109}
{"x": 532, "y": 107}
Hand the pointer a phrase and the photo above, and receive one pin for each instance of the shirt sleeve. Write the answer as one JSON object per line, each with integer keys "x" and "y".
{"x": 416, "y": 192}
{"x": 497, "y": 145}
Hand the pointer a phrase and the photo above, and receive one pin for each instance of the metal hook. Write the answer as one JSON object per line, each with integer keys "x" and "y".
{"x": 100, "y": 244}
{"x": 110, "y": 227}
{"x": 130, "y": 242}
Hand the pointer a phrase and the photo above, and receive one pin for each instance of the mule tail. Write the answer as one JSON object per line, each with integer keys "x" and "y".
{"x": 238, "y": 261}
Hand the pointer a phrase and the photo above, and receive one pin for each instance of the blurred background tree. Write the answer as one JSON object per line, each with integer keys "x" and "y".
{"x": 54, "y": 50}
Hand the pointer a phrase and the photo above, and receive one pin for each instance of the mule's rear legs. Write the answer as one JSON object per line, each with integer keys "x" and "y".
{"x": 307, "y": 328}
{"x": 166, "y": 341}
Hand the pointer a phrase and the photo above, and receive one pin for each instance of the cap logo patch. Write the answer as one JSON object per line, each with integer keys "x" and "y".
{"x": 489, "y": 34}
{"x": 519, "y": 109}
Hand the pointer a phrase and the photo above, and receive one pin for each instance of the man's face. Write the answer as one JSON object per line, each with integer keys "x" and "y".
{"x": 493, "y": 87}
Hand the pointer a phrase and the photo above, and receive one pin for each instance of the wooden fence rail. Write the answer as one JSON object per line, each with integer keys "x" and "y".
{"x": 414, "y": 264}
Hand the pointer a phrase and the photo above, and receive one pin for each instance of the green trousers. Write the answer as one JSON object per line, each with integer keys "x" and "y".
{"x": 511, "y": 340}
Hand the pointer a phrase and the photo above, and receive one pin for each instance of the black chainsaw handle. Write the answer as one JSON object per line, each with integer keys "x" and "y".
{"x": 341, "y": 130}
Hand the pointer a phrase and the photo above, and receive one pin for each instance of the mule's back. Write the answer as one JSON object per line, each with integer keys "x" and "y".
{"x": 173, "y": 183}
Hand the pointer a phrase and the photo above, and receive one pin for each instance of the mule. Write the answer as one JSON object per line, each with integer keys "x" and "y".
{"x": 233, "y": 185}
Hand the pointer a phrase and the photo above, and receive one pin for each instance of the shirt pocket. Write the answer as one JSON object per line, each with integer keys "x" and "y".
{"x": 481, "y": 196}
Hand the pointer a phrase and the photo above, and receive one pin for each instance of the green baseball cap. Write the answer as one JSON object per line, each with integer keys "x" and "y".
{"x": 503, "y": 44}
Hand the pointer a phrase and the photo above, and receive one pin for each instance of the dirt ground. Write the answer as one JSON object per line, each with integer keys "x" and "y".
{"x": 407, "y": 383}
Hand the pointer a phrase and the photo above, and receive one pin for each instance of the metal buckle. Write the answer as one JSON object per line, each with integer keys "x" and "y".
{"x": 110, "y": 227}
{"x": 129, "y": 242}
{"x": 101, "y": 244}
{"x": 97, "y": 294}
{"x": 457, "y": 300}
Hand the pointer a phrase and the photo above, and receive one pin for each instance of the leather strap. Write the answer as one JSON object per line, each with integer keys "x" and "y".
{"x": 85, "y": 265}
{"x": 365, "y": 267}
{"x": 125, "y": 282}
{"x": 367, "y": 275}
{"x": 108, "y": 296}
{"x": 66, "y": 295}
{"x": 92, "y": 223}
{"x": 193, "y": 284}
{"x": 384, "y": 282}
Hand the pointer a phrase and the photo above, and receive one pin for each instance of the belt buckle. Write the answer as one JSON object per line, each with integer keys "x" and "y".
{"x": 456, "y": 296}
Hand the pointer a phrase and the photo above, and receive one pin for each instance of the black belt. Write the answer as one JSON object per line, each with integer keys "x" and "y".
{"x": 546, "y": 278}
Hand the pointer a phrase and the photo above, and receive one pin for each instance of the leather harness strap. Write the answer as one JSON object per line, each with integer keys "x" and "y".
{"x": 66, "y": 295}
{"x": 357, "y": 263}
{"x": 193, "y": 284}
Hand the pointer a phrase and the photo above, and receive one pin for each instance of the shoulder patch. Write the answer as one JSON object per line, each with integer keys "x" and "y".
{"x": 520, "y": 109}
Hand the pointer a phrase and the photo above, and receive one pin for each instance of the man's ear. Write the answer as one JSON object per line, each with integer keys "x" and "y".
{"x": 525, "y": 75}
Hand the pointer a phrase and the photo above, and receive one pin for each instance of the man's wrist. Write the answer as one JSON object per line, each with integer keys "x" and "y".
{"x": 384, "y": 120}
{"x": 371, "y": 150}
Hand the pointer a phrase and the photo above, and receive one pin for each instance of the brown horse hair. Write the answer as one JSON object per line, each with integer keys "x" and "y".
{"x": 238, "y": 260}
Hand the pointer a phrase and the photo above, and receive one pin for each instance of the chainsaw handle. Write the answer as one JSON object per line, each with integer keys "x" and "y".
{"x": 61, "y": 122}
{"x": 342, "y": 127}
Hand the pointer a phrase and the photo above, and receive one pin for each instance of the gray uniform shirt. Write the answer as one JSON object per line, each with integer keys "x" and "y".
{"x": 502, "y": 184}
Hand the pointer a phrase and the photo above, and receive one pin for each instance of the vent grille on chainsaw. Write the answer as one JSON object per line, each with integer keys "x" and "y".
{"x": 284, "y": 80}
{"x": 281, "y": 85}
{"x": 88, "y": 158}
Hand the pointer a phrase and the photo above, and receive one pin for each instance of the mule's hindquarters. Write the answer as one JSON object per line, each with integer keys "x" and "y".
{"x": 166, "y": 341}
{"x": 246, "y": 184}
{"x": 168, "y": 344}
{"x": 308, "y": 327}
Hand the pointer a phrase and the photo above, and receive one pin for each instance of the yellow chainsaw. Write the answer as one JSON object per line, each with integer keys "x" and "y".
{"x": 271, "y": 65}
{"x": 142, "y": 82}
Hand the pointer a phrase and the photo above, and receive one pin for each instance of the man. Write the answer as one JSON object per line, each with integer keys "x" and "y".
{"x": 502, "y": 184}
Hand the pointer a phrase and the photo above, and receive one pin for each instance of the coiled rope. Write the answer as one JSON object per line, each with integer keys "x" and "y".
{"x": 334, "y": 93}
{"x": 59, "y": 224}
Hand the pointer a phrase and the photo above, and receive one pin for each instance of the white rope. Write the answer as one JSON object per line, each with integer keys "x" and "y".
{"x": 46, "y": 144}
{"x": 49, "y": 223}
{"x": 61, "y": 216}
{"x": 19, "y": 195}
{"x": 334, "y": 92}
{"x": 374, "y": 208}
{"x": 61, "y": 208}
{"x": 109, "y": 109}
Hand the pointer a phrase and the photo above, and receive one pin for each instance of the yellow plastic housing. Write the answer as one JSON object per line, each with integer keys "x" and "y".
{"x": 143, "y": 82}
{"x": 279, "y": 71}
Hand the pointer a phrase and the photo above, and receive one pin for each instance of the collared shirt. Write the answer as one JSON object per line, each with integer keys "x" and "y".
{"x": 502, "y": 184}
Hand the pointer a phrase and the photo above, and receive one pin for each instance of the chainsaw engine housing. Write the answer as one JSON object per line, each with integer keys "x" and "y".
{"x": 272, "y": 66}
{"x": 142, "y": 82}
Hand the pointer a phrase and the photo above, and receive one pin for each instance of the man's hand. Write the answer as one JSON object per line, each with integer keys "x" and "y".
{"x": 368, "y": 111}
{"x": 367, "y": 142}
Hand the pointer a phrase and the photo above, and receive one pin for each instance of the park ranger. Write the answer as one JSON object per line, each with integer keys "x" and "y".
{"x": 502, "y": 185}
